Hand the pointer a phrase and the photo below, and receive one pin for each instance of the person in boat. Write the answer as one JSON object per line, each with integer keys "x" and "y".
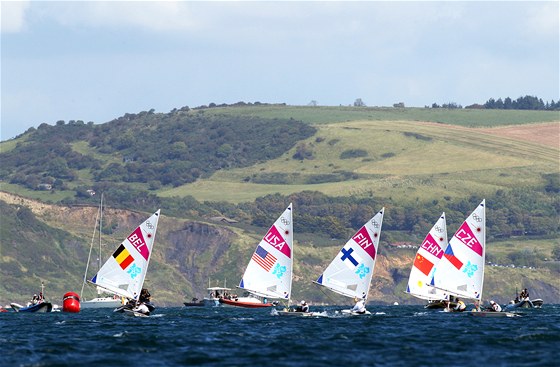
{"x": 524, "y": 295}
{"x": 477, "y": 306}
{"x": 360, "y": 306}
{"x": 34, "y": 299}
{"x": 141, "y": 308}
{"x": 145, "y": 296}
{"x": 495, "y": 307}
{"x": 303, "y": 307}
{"x": 461, "y": 306}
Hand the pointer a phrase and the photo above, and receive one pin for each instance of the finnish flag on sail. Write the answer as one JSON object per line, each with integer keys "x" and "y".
{"x": 349, "y": 257}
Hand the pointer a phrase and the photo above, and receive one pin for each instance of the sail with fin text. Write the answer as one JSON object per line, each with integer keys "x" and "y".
{"x": 351, "y": 270}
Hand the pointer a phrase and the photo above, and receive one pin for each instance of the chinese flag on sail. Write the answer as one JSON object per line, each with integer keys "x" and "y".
{"x": 423, "y": 264}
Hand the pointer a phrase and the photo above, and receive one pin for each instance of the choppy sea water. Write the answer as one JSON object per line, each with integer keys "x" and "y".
{"x": 391, "y": 336}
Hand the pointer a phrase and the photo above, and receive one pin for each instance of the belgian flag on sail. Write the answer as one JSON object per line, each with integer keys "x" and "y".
{"x": 123, "y": 257}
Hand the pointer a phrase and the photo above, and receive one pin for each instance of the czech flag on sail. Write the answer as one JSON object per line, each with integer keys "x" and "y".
{"x": 423, "y": 264}
{"x": 264, "y": 258}
{"x": 123, "y": 257}
{"x": 449, "y": 255}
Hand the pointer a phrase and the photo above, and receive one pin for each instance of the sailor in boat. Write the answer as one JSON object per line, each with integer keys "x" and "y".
{"x": 360, "y": 306}
{"x": 34, "y": 299}
{"x": 145, "y": 296}
{"x": 142, "y": 308}
{"x": 303, "y": 307}
{"x": 495, "y": 307}
{"x": 524, "y": 295}
{"x": 460, "y": 306}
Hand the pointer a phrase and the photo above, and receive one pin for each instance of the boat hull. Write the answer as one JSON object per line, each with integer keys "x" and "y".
{"x": 434, "y": 305}
{"x": 352, "y": 313}
{"x": 294, "y": 313}
{"x": 101, "y": 303}
{"x": 39, "y": 307}
{"x": 194, "y": 304}
{"x": 129, "y": 307}
{"x": 492, "y": 314}
{"x": 535, "y": 303}
{"x": 129, "y": 312}
{"x": 234, "y": 303}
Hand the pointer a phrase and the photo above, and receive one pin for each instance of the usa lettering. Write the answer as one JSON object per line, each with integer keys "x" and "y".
{"x": 275, "y": 241}
{"x": 432, "y": 248}
{"x": 362, "y": 241}
{"x": 466, "y": 238}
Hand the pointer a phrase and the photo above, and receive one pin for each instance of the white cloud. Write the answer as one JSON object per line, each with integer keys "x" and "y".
{"x": 13, "y": 15}
{"x": 543, "y": 21}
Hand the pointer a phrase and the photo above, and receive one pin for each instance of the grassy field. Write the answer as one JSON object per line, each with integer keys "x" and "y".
{"x": 407, "y": 153}
{"x": 404, "y": 159}
{"x": 330, "y": 114}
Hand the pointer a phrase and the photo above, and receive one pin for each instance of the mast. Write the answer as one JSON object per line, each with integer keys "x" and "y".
{"x": 91, "y": 248}
{"x": 100, "y": 230}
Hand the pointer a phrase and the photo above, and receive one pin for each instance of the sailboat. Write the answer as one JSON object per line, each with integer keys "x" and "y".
{"x": 100, "y": 301}
{"x": 460, "y": 272}
{"x": 425, "y": 262}
{"x": 268, "y": 275}
{"x": 123, "y": 274}
{"x": 350, "y": 272}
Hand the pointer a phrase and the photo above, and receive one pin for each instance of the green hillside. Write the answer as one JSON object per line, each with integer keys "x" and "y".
{"x": 336, "y": 164}
{"x": 399, "y": 159}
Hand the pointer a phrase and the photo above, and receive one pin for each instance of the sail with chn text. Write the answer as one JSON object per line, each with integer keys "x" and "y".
{"x": 425, "y": 263}
{"x": 124, "y": 272}
{"x": 461, "y": 269}
{"x": 269, "y": 272}
{"x": 351, "y": 270}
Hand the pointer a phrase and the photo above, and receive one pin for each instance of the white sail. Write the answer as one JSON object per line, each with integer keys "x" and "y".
{"x": 461, "y": 269}
{"x": 351, "y": 270}
{"x": 425, "y": 262}
{"x": 124, "y": 272}
{"x": 269, "y": 272}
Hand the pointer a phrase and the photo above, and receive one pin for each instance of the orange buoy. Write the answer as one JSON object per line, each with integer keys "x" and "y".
{"x": 71, "y": 302}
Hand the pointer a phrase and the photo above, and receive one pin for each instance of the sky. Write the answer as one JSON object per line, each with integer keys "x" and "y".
{"x": 96, "y": 61}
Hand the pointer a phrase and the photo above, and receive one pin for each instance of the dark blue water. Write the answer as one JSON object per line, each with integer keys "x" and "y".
{"x": 392, "y": 336}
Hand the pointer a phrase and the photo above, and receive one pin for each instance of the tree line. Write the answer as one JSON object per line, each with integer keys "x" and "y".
{"x": 522, "y": 103}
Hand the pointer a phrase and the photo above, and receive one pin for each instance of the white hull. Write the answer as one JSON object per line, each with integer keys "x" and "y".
{"x": 107, "y": 302}
{"x": 352, "y": 313}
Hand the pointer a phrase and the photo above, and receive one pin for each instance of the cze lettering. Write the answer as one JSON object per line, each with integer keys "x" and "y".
{"x": 275, "y": 241}
{"x": 466, "y": 238}
{"x": 432, "y": 248}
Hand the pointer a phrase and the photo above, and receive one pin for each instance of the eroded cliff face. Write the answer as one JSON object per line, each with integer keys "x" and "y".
{"x": 188, "y": 255}
{"x": 198, "y": 248}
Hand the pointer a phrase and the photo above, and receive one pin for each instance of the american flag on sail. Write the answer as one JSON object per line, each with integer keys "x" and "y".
{"x": 264, "y": 258}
